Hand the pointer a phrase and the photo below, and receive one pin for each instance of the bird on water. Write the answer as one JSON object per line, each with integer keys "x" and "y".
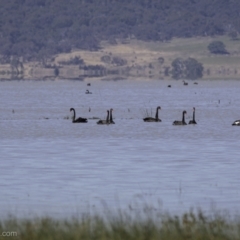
{"x": 236, "y": 123}
{"x": 104, "y": 122}
{"x": 176, "y": 122}
{"x": 193, "y": 121}
{"x": 151, "y": 119}
{"x": 78, "y": 120}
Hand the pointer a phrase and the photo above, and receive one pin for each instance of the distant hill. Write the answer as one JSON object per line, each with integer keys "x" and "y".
{"x": 36, "y": 29}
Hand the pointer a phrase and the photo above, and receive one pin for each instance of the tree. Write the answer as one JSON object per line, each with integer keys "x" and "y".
{"x": 29, "y": 26}
{"x": 178, "y": 68}
{"x": 233, "y": 35}
{"x": 217, "y": 47}
{"x": 194, "y": 69}
{"x": 186, "y": 69}
{"x": 161, "y": 60}
{"x": 56, "y": 71}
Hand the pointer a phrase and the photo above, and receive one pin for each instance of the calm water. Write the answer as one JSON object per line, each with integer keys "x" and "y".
{"x": 49, "y": 165}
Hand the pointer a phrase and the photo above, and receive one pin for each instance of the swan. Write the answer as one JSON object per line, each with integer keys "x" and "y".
{"x": 101, "y": 122}
{"x": 185, "y": 83}
{"x": 193, "y": 120}
{"x": 111, "y": 118}
{"x": 236, "y": 123}
{"x": 88, "y": 92}
{"x": 183, "y": 120}
{"x": 151, "y": 119}
{"x": 78, "y": 120}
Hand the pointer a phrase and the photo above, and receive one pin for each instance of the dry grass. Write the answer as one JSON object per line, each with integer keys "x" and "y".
{"x": 140, "y": 54}
{"x": 125, "y": 226}
{"x": 142, "y": 57}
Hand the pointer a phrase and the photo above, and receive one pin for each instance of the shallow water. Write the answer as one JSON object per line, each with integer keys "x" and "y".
{"x": 51, "y": 166}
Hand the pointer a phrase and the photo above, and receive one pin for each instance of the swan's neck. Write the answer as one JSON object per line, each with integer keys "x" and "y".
{"x": 193, "y": 115}
{"x": 107, "y": 119}
{"x": 111, "y": 116}
{"x": 156, "y": 116}
{"x": 183, "y": 117}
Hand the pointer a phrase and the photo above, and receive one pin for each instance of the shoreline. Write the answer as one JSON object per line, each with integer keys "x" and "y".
{"x": 130, "y": 59}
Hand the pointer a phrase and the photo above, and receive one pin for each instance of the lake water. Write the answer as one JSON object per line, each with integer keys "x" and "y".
{"x": 48, "y": 165}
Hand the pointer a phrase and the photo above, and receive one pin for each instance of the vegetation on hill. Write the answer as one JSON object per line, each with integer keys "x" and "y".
{"x": 217, "y": 47}
{"x": 37, "y": 29}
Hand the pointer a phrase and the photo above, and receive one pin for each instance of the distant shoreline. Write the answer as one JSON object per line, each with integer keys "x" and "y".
{"x": 131, "y": 59}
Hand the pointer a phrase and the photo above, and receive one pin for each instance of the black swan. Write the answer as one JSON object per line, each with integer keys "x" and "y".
{"x": 78, "y": 120}
{"x": 183, "y": 120}
{"x": 193, "y": 120}
{"x": 151, "y": 119}
{"x": 185, "y": 83}
{"x": 111, "y": 118}
{"x": 88, "y": 92}
{"x": 101, "y": 122}
{"x": 236, "y": 123}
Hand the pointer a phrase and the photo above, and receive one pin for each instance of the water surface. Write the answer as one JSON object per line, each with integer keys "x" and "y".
{"x": 49, "y": 165}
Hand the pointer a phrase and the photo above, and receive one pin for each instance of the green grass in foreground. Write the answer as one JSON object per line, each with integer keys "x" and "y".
{"x": 191, "y": 225}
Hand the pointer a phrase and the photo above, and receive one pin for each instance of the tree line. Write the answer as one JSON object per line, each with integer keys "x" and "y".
{"x": 36, "y": 29}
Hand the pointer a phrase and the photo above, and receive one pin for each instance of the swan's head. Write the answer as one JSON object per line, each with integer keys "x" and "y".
{"x": 71, "y": 109}
{"x": 194, "y": 109}
{"x": 184, "y": 112}
{"x": 111, "y": 110}
{"x": 158, "y": 107}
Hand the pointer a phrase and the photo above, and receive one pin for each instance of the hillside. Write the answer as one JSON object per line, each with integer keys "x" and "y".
{"x": 76, "y": 39}
{"x": 142, "y": 58}
{"x": 37, "y": 29}
{"x": 133, "y": 59}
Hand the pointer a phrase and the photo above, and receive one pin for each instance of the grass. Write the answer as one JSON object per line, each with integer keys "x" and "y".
{"x": 148, "y": 225}
{"x": 140, "y": 55}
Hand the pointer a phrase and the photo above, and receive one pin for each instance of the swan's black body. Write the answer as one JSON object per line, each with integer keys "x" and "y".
{"x": 111, "y": 118}
{"x": 151, "y": 119}
{"x": 78, "y": 120}
{"x": 88, "y": 92}
{"x": 236, "y": 123}
{"x": 183, "y": 120}
{"x": 193, "y": 120}
{"x": 104, "y": 122}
